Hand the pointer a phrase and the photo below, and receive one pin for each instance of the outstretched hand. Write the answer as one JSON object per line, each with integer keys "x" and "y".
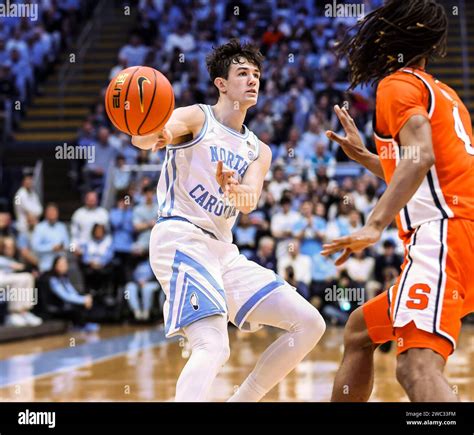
{"x": 352, "y": 143}
{"x": 355, "y": 242}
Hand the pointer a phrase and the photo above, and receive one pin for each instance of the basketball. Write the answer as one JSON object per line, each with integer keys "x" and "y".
{"x": 139, "y": 100}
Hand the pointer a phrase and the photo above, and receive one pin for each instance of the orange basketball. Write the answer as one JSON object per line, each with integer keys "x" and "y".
{"x": 139, "y": 100}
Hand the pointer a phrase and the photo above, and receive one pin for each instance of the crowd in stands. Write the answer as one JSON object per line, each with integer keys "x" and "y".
{"x": 29, "y": 48}
{"x": 312, "y": 194}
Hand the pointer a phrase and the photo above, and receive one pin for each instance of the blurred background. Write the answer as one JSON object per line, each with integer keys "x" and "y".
{"x": 77, "y": 201}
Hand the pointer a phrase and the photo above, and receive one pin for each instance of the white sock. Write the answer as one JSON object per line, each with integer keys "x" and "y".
{"x": 288, "y": 310}
{"x": 209, "y": 342}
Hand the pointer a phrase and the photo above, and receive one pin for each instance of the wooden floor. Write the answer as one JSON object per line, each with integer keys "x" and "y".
{"x": 137, "y": 364}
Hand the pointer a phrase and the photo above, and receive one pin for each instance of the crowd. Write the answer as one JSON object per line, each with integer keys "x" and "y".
{"x": 312, "y": 193}
{"x": 30, "y": 47}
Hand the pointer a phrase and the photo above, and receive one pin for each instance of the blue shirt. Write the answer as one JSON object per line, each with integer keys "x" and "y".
{"x": 62, "y": 287}
{"x": 309, "y": 245}
{"x": 45, "y": 237}
{"x": 322, "y": 268}
{"x": 143, "y": 272}
{"x": 121, "y": 222}
{"x": 99, "y": 251}
{"x": 143, "y": 213}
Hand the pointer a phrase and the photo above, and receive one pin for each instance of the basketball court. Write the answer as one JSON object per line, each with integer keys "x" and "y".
{"x": 126, "y": 363}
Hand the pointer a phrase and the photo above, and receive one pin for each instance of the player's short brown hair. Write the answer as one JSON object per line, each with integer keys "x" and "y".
{"x": 219, "y": 61}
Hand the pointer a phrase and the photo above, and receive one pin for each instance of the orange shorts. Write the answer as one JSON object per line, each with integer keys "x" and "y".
{"x": 432, "y": 294}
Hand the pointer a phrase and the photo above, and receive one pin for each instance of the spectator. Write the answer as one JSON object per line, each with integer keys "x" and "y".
{"x": 388, "y": 259}
{"x": 96, "y": 169}
{"x": 97, "y": 261}
{"x": 84, "y": 218}
{"x": 26, "y": 203}
{"x": 6, "y": 226}
{"x": 360, "y": 268}
{"x": 70, "y": 304}
{"x": 50, "y": 238}
{"x": 278, "y": 185}
{"x": 121, "y": 223}
{"x": 282, "y": 224}
{"x": 144, "y": 219}
{"x": 309, "y": 229}
{"x": 25, "y": 245}
{"x": 134, "y": 52}
{"x": 245, "y": 235}
{"x": 121, "y": 178}
{"x": 143, "y": 287}
{"x": 300, "y": 266}
{"x": 20, "y": 286}
{"x": 323, "y": 158}
{"x": 265, "y": 255}
{"x": 182, "y": 40}
{"x": 323, "y": 276}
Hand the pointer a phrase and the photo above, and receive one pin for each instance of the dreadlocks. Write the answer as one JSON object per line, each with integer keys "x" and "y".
{"x": 398, "y": 34}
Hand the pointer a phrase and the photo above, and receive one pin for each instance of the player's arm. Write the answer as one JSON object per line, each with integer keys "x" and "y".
{"x": 245, "y": 195}
{"x": 418, "y": 158}
{"x": 352, "y": 143}
{"x": 183, "y": 125}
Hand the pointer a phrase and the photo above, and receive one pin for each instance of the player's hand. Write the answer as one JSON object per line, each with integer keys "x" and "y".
{"x": 352, "y": 143}
{"x": 355, "y": 242}
{"x": 88, "y": 302}
{"x": 225, "y": 178}
{"x": 163, "y": 138}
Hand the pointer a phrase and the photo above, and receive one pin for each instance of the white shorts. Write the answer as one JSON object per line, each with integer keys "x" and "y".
{"x": 202, "y": 277}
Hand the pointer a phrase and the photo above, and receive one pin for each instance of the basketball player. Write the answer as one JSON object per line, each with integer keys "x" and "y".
{"x": 423, "y": 136}
{"x": 214, "y": 169}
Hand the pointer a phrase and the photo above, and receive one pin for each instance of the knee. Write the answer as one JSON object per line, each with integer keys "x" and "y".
{"x": 221, "y": 353}
{"x": 415, "y": 365}
{"x": 215, "y": 345}
{"x": 313, "y": 324}
{"x": 356, "y": 335}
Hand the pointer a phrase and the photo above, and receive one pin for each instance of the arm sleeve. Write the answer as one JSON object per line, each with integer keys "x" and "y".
{"x": 58, "y": 289}
{"x": 398, "y": 99}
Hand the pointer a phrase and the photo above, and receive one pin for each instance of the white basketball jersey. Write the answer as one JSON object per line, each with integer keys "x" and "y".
{"x": 187, "y": 187}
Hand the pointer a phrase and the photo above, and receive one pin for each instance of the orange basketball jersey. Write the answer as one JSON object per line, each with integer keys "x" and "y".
{"x": 448, "y": 188}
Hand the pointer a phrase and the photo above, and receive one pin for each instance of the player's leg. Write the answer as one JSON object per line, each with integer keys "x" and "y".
{"x": 355, "y": 377}
{"x": 209, "y": 342}
{"x": 420, "y": 373}
{"x": 188, "y": 270}
{"x": 284, "y": 308}
{"x": 427, "y": 313}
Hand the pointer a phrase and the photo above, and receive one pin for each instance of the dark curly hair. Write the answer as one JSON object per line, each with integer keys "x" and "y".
{"x": 219, "y": 61}
{"x": 398, "y": 34}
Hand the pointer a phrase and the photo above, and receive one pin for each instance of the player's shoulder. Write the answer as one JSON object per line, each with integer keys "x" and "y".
{"x": 398, "y": 80}
{"x": 194, "y": 110}
{"x": 264, "y": 153}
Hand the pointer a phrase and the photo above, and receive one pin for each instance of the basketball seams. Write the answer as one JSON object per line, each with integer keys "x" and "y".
{"x": 171, "y": 107}
{"x": 126, "y": 96}
{"x": 151, "y": 103}
{"x": 109, "y": 112}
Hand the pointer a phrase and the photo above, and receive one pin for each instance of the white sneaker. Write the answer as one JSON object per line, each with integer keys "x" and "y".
{"x": 145, "y": 314}
{"x": 137, "y": 314}
{"x": 16, "y": 320}
{"x": 31, "y": 319}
